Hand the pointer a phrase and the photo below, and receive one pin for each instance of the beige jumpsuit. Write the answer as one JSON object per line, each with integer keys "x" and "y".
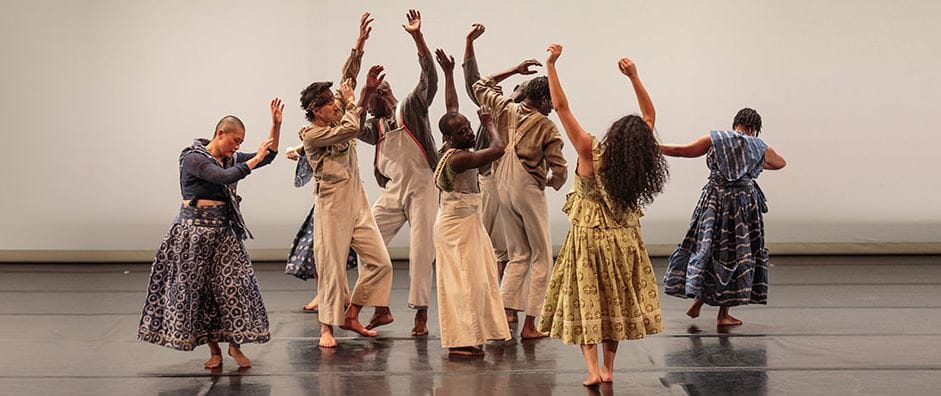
{"x": 470, "y": 309}
{"x": 404, "y": 163}
{"x": 343, "y": 220}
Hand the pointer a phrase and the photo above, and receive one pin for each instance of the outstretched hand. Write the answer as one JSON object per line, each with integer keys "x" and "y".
{"x": 523, "y": 67}
{"x": 277, "y": 111}
{"x": 555, "y": 50}
{"x": 446, "y": 61}
{"x": 476, "y": 31}
{"x": 346, "y": 90}
{"x": 485, "y": 116}
{"x": 628, "y": 68}
{"x": 414, "y": 22}
{"x": 364, "y": 28}
{"x": 375, "y": 76}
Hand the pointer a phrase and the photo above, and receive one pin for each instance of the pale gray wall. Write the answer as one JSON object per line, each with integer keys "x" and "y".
{"x": 98, "y": 98}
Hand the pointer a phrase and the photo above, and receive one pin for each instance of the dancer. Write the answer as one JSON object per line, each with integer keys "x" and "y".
{"x": 533, "y": 147}
{"x": 490, "y": 199}
{"x": 301, "y": 259}
{"x": 723, "y": 260}
{"x": 202, "y": 287}
{"x": 343, "y": 218}
{"x": 603, "y": 288}
{"x": 470, "y": 309}
{"x": 404, "y": 166}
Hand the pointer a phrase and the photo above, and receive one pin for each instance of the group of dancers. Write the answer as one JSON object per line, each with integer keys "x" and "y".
{"x": 477, "y": 214}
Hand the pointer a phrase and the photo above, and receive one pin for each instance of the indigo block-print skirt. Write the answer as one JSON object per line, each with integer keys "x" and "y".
{"x": 301, "y": 260}
{"x": 202, "y": 286}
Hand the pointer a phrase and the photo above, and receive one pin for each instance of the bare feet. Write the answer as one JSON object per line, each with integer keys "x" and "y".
{"x": 529, "y": 331}
{"x": 421, "y": 323}
{"x": 606, "y": 376}
{"x": 382, "y": 317}
{"x": 465, "y": 351}
{"x": 592, "y": 380}
{"x": 727, "y": 320}
{"x": 511, "y": 316}
{"x": 214, "y": 362}
{"x": 353, "y": 324}
{"x": 694, "y": 309}
{"x": 240, "y": 358}
{"x": 311, "y": 306}
{"x": 326, "y": 337}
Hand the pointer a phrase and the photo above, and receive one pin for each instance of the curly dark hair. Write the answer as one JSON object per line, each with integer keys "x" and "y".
{"x": 318, "y": 94}
{"x": 748, "y": 118}
{"x": 633, "y": 169}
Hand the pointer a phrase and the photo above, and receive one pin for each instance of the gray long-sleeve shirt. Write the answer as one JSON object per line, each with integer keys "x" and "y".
{"x": 414, "y": 115}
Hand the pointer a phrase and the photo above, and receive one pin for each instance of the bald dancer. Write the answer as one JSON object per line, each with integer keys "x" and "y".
{"x": 404, "y": 165}
{"x": 533, "y": 148}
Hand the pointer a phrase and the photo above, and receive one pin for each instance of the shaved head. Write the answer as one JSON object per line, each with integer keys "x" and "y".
{"x": 230, "y": 123}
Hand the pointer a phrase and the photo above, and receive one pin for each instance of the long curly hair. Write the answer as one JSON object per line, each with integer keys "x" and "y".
{"x": 633, "y": 169}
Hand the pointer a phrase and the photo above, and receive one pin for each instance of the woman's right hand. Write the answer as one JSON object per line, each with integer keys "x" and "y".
{"x": 263, "y": 148}
{"x": 292, "y": 155}
{"x": 627, "y": 67}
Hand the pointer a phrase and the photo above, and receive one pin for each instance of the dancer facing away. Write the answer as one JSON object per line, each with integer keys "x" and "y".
{"x": 404, "y": 165}
{"x": 490, "y": 199}
{"x": 341, "y": 211}
{"x": 301, "y": 261}
{"x": 603, "y": 288}
{"x": 723, "y": 260}
{"x": 533, "y": 147}
{"x": 470, "y": 309}
{"x": 202, "y": 287}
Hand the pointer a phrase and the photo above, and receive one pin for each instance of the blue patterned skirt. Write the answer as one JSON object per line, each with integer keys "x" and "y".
{"x": 723, "y": 260}
{"x": 301, "y": 260}
{"x": 202, "y": 286}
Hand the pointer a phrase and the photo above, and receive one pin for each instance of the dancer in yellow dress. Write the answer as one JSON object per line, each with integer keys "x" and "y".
{"x": 603, "y": 289}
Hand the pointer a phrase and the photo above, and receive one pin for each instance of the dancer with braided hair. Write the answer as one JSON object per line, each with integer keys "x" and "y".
{"x": 723, "y": 260}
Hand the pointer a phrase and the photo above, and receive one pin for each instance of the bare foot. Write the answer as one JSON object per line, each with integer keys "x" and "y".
{"x": 214, "y": 362}
{"x": 240, "y": 358}
{"x": 379, "y": 319}
{"x": 353, "y": 324}
{"x": 511, "y": 316}
{"x": 326, "y": 338}
{"x": 592, "y": 380}
{"x": 465, "y": 351}
{"x": 694, "y": 309}
{"x": 727, "y": 320}
{"x": 606, "y": 376}
{"x": 421, "y": 323}
{"x": 532, "y": 334}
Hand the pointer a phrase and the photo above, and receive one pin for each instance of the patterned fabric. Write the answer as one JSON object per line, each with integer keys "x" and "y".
{"x": 202, "y": 286}
{"x": 723, "y": 260}
{"x": 603, "y": 286}
{"x": 303, "y": 173}
{"x": 238, "y": 223}
{"x": 301, "y": 260}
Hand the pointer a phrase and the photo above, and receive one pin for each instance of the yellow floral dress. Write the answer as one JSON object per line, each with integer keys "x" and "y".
{"x": 602, "y": 287}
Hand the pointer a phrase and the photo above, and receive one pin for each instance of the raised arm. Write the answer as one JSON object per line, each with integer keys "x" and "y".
{"x": 580, "y": 139}
{"x": 277, "y": 116}
{"x": 352, "y": 120}
{"x": 428, "y": 82}
{"x": 354, "y": 62}
{"x": 471, "y": 72}
{"x": 523, "y": 69}
{"x": 643, "y": 99}
{"x": 450, "y": 92}
{"x": 696, "y": 148}
{"x": 773, "y": 160}
{"x": 466, "y": 160}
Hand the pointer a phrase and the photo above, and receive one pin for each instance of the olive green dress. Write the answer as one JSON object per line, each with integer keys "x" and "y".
{"x": 602, "y": 287}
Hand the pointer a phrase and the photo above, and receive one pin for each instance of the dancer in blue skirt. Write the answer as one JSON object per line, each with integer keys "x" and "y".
{"x": 723, "y": 260}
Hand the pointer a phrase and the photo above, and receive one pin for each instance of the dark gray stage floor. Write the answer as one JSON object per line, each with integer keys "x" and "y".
{"x": 835, "y": 325}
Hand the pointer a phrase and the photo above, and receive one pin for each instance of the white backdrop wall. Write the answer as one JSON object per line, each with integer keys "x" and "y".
{"x": 98, "y": 98}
